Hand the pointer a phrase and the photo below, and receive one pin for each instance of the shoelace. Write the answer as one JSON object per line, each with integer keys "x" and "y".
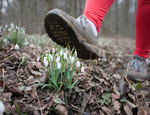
{"x": 136, "y": 65}
{"x": 82, "y": 20}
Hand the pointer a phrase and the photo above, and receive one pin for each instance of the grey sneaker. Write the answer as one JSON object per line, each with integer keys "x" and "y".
{"x": 65, "y": 30}
{"x": 137, "y": 69}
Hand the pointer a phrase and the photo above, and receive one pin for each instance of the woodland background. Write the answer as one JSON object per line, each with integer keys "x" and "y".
{"x": 118, "y": 22}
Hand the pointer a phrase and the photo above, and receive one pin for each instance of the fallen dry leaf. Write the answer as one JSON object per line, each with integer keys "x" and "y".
{"x": 116, "y": 106}
{"x": 38, "y": 65}
{"x": 61, "y": 110}
{"x": 86, "y": 98}
{"x": 127, "y": 109}
{"x": 143, "y": 110}
{"x": 13, "y": 87}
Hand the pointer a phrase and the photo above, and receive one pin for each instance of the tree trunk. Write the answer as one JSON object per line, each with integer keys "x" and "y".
{"x": 117, "y": 20}
{"x": 1, "y": 7}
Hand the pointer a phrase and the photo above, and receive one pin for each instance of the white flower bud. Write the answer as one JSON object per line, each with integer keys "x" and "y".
{"x": 12, "y": 25}
{"x": 14, "y": 30}
{"x": 58, "y": 65}
{"x": 70, "y": 57}
{"x": 6, "y": 26}
{"x": 61, "y": 53}
{"x": 53, "y": 50}
{"x": 66, "y": 51}
{"x": 6, "y": 41}
{"x": 50, "y": 57}
{"x": 38, "y": 59}
{"x": 82, "y": 69}
{"x": 75, "y": 53}
{"x": 57, "y": 59}
{"x": 77, "y": 64}
{"x": 45, "y": 62}
{"x": 16, "y": 46}
{"x": 2, "y": 107}
{"x": 72, "y": 60}
{"x": 65, "y": 55}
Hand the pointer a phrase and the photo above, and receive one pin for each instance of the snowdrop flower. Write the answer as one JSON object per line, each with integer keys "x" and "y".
{"x": 16, "y": 46}
{"x": 61, "y": 53}
{"x": 57, "y": 59}
{"x": 4, "y": 29}
{"x": 45, "y": 62}
{"x": 12, "y": 25}
{"x": 70, "y": 57}
{"x": 66, "y": 52}
{"x": 58, "y": 65}
{"x": 38, "y": 58}
{"x": 6, "y": 26}
{"x": 75, "y": 53}
{"x": 21, "y": 29}
{"x": 16, "y": 27}
{"x": 72, "y": 60}
{"x": 50, "y": 57}
{"x": 53, "y": 50}
{"x": 65, "y": 55}
{"x": 2, "y": 107}
{"x": 82, "y": 69}
{"x": 0, "y": 28}
{"x": 14, "y": 30}
{"x": 6, "y": 41}
{"x": 77, "y": 64}
{"x": 9, "y": 30}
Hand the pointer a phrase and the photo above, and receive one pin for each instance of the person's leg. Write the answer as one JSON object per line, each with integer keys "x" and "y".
{"x": 143, "y": 29}
{"x": 137, "y": 70}
{"x": 95, "y": 11}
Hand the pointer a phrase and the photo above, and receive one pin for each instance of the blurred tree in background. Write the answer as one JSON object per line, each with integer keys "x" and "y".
{"x": 118, "y": 22}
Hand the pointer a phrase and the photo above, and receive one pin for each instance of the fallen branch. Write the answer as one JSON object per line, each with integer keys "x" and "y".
{"x": 3, "y": 79}
{"x": 38, "y": 99}
{"x": 55, "y": 95}
{"x": 6, "y": 59}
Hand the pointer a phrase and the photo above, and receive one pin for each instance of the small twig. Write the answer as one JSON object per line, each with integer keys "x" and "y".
{"x": 128, "y": 82}
{"x": 6, "y": 58}
{"x": 107, "y": 109}
{"x": 3, "y": 79}
{"x": 38, "y": 100}
{"x": 56, "y": 94}
{"x": 125, "y": 76}
{"x": 143, "y": 96}
{"x": 18, "y": 70}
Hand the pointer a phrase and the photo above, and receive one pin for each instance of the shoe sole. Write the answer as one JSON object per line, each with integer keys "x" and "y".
{"x": 136, "y": 80}
{"x": 63, "y": 33}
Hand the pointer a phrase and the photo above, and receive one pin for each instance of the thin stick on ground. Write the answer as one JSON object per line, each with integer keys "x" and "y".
{"x": 38, "y": 100}
{"x": 3, "y": 79}
{"x": 18, "y": 70}
{"x": 55, "y": 95}
{"x": 128, "y": 82}
{"x": 125, "y": 76}
{"x": 6, "y": 59}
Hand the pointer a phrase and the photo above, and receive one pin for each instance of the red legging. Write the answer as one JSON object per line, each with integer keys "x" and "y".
{"x": 95, "y": 11}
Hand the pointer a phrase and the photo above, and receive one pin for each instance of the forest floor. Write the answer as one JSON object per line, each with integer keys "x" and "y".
{"x": 102, "y": 89}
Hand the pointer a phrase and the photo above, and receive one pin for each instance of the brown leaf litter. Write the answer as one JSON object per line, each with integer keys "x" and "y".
{"x": 87, "y": 97}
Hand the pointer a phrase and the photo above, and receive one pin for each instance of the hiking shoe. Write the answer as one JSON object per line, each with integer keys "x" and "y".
{"x": 137, "y": 69}
{"x": 65, "y": 30}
